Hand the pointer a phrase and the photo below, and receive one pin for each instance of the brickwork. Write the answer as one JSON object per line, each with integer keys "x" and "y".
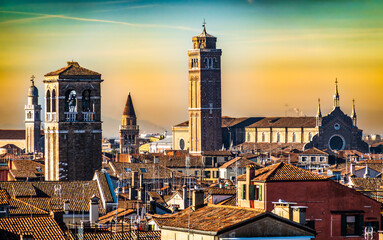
{"x": 73, "y": 132}
{"x": 205, "y": 110}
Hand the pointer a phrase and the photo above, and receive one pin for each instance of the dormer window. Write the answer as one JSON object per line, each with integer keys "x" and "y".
{"x": 143, "y": 170}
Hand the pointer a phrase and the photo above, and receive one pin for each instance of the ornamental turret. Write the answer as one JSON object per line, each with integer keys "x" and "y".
{"x": 336, "y": 95}
{"x": 353, "y": 113}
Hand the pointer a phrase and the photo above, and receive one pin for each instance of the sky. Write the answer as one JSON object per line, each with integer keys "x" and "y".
{"x": 278, "y": 57}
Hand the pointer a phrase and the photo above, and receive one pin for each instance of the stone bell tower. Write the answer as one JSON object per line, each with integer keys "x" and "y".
{"x": 32, "y": 120}
{"x": 205, "y": 111}
{"x": 72, "y": 126}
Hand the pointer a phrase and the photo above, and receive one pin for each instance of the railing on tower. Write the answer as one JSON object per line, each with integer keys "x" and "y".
{"x": 71, "y": 116}
{"x": 88, "y": 116}
{"x": 130, "y": 127}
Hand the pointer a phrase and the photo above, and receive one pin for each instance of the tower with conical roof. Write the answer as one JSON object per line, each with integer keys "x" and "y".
{"x": 32, "y": 120}
{"x": 73, "y": 126}
{"x": 205, "y": 111}
{"x": 129, "y": 129}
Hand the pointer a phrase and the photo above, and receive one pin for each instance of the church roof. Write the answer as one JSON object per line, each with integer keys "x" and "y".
{"x": 129, "y": 109}
{"x": 74, "y": 71}
{"x": 307, "y": 122}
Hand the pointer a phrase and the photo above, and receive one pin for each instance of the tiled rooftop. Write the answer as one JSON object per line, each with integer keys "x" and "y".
{"x": 212, "y": 217}
{"x": 283, "y": 172}
{"x": 41, "y": 227}
{"x": 73, "y": 70}
{"x": 238, "y": 162}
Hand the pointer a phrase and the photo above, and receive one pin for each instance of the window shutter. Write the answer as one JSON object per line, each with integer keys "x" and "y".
{"x": 343, "y": 225}
{"x": 251, "y": 192}
{"x": 260, "y": 193}
{"x": 243, "y": 191}
{"x": 359, "y": 225}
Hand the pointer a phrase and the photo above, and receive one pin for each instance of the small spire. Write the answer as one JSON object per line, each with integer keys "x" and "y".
{"x": 204, "y": 26}
{"x": 336, "y": 94}
{"x": 33, "y": 80}
{"x": 353, "y": 113}
{"x": 319, "y": 114}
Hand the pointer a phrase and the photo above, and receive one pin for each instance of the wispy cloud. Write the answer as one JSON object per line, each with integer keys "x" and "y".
{"x": 43, "y": 15}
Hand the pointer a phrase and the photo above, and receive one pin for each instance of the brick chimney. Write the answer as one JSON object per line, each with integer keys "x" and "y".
{"x": 287, "y": 210}
{"x": 198, "y": 199}
{"x": 185, "y": 196}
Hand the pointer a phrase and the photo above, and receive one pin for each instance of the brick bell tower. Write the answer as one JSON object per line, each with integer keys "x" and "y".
{"x": 204, "y": 94}
{"x": 129, "y": 129}
{"x": 72, "y": 123}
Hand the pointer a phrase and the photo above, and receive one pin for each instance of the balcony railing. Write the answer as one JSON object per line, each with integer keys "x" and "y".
{"x": 71, "y": 116}
{"x": 88, "y": 116}
{"x": 128, "y": 127}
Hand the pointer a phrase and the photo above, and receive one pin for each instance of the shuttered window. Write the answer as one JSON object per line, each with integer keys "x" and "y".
{"x": 251, "y": 192}
{"x": 243, "y": 191}
{"x": 260, "y": 192}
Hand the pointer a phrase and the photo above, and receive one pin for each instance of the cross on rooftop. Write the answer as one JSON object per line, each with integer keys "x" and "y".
{"x": 204, "y": 23}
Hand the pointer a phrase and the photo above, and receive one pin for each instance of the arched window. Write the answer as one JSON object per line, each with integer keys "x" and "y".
{"x": 211, "y": 63}
{"x": 48, "y": 101}
{"x": 86, "y": 105}
{"x": 294, "y": 137}
{"x": 206, "y": 61}
{"x": 71, "y": 101}
{"x": 182, "y": 144}
{"x": 53, "y": 100}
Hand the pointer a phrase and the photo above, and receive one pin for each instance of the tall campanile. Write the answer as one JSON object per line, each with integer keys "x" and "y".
{"x": 205, "y": 110}
{"x": 72, "y": 123}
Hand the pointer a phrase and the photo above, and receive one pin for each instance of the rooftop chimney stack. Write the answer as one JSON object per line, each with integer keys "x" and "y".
{"x": 93, "y": 209}
{"x": 198, "y": 199}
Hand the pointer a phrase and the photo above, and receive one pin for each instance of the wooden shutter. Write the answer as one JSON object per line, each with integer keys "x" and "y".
{"x": 343, "y": 230}
{"x": 243, "y": 191}
{"x": 251, "y": 192}
{"x": 260, "y": 193}
{"x": 359, "y": 224}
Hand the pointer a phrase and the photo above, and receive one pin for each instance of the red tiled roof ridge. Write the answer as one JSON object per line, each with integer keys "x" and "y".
{"x": 236, "y": 207}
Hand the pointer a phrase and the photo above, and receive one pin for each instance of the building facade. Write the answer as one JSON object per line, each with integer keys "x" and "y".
{"x": 204, "y": 94}
{"x": 72, "y": 126}
{"x": 32, "y": 120}
{"x": 129, "y": 129}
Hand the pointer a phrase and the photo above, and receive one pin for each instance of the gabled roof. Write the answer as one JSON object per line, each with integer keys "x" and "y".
{"x": 283, "y": 172}
{"x": 120, "y": 212}
{"x": 212, "y": 218}
{"x": 313, "y": 151}
{"x": 129, "y": 109}
{"x": 41, "y": 227}
{"x": 74, "y": 71}
{"x": 238, "y": 162}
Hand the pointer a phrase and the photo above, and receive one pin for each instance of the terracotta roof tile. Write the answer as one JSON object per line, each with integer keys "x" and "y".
{"x": 212, "y": 217}
{"x": 41, "y": 227}
{"x": 313, "y": 151}
{"x": 238, "y": 162}
{"x": 285, "y": 172}
{"x": 74, "y": 71}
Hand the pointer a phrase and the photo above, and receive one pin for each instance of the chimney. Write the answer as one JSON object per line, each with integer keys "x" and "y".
{"x": 185, "y": 196}
{"x": 250, "y": 173}
{"x": 299, "y": 214}
{"x": 27, "y": 235}
{"x": 58, "y": 216}
{"x": 198, "y": 199}
{"x": 283, "y": 209}
{"x": 352, "y": 168}
{"x": 93, "y": 209}
{"x": 66, "y": 206}
{"x": 134, "y": 179}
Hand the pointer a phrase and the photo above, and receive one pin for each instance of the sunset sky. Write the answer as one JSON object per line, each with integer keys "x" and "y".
{"x": 278, "y": 57}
